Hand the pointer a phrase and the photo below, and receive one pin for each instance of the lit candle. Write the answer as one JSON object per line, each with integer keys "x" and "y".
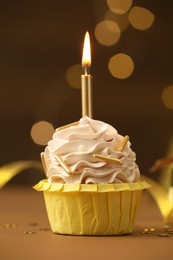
{"x": 86, "y": 79}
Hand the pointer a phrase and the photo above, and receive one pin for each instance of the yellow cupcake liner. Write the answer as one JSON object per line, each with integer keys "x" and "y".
{"x": 44, "y": 185}
{"x": 92, "y": 209}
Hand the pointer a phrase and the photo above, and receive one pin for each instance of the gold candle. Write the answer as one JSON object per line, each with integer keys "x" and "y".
{"x": 43, "y": 162}
{"x": 86, "y": 79}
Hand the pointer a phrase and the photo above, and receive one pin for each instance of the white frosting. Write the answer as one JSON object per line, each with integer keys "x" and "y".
{"x": 77, "y": 144}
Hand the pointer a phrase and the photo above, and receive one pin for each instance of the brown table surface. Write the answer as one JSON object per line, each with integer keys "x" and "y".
{"x": 22, "y": 210}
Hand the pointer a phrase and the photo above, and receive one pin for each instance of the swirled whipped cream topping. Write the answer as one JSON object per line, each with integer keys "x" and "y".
{"x": 77, "y": 144}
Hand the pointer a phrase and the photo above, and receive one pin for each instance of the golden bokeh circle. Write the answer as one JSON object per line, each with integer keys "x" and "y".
{"x": 73, "y": 76}
{"x": 141, "y": 18}
{"x": 121, "y": 20}
{"x": 119, "y": 6}
{"x": 167, "y": 97}
{"x": 41, "y": 132}
{"x": 107, "y": 32}
{"x": 121, "y": 66}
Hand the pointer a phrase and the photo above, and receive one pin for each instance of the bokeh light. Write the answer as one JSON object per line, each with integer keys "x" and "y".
{"x": 167, "y": 97}
{"x": 121, "y": 66}
{"x": 141, "y": 18}
{"x": 73, "y": 76}
{"x": 121, "y": 20}
{"x": 119, "y": 6}
{"x": 41, "y": 132}
{"x": 107, "y": 32}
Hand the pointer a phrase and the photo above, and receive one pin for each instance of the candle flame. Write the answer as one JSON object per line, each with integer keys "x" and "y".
{"x": 86, "y": 57}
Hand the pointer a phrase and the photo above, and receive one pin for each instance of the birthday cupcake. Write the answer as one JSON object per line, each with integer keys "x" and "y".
{"x": 93, "y": 183}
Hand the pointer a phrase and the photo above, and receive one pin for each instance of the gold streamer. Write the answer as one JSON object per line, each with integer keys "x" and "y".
{"x": 162, "y": 199}
{"x": 161, "y": 163}
{"x": 162, "y": 192}
{"x": 8, "y": 171}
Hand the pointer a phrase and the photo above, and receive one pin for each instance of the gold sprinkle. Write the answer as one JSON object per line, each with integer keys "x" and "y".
{"x": 43, "y": 162}
{"x": 66, "y": 126}
{"x": 29, "y": 232}
{"x": 145, "y": 229}
{"x": 107, "y": 159}
{"x": 145, "y": 232}
{"x": 44, "y": 229}
{"x": 13, "y": 225}
{"x": 148, "y": 230}
{"x": 152, "y": 229}
{"x": 162, "y": 235}
{"x": 124, "y": 142}
{"x": 63, "y": 165}
{"x": 166, "y": 227}
{"x": 9, "y": 225}
{"x": 33, "y": 224}
{"x": 170, "y": 231}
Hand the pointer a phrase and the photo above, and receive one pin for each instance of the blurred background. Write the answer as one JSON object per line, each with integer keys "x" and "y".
{"x": 40, "y": 67}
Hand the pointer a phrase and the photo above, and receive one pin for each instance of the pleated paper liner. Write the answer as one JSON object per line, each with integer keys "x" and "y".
{"x": 92, "y": 209}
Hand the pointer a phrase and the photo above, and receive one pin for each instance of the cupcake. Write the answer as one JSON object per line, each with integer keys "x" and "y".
{"x": 93, "y": 183}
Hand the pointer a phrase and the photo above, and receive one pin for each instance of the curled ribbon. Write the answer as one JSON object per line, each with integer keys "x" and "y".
{"x": 8, "y": 171}
{"x": 162, "y": 199}
{"x": 162, "y": 191}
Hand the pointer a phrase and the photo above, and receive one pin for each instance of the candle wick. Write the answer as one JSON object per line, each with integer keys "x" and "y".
{"x": 86, "y": 70}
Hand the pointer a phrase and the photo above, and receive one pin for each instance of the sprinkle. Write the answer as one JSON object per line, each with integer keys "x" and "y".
{"x": 145, "y": 232}
{"x": 162, "y": 235}
{"x": 107, "y": 159}
{"x": 7, "y": 225}
{"x": 29, "y": 232}
{"x": 63, "y": 165}
{"x": 66, "y": 126}
{"x": 124, "y": 142}
{"x": 43, "y": 162}
{"x": 148, "y": 230}
{"x": 170, "y": 231}
{"x": 33, "y": 224}
{"x": 44, "y": 229}
{"x": 152, "y": 229}
{"x": 166, "y": 227}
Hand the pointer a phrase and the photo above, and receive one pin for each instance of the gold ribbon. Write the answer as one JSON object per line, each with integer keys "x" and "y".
{"x": 161, "y": 197}
{"x": 8, "y": 171}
